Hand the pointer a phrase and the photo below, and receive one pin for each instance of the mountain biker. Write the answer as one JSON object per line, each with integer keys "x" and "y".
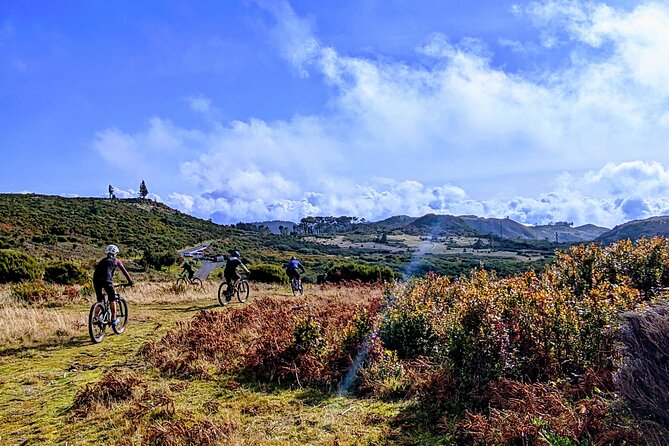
{"x": 230, "y": 272}
{"x": 188, "y": 268}
{"x": 292, "y": 269}
{"x": 103, "y": 278}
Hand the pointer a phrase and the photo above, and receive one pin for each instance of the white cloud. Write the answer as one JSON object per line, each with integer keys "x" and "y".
{"x": 203, "y": 106}
{"x": 400, "y": 138}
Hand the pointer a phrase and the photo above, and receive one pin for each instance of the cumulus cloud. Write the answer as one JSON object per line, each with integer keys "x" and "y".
{"x": 403, "y": 138}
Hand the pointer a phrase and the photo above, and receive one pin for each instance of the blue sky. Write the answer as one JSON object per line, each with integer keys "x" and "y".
{"x": 256, "y": 110}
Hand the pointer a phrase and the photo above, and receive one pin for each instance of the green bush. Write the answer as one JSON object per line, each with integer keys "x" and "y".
{"x": 65, "y": 273}
{"x": 406, "y": 328}
{"x": 357, "y": 271}
{"x": 17, "y": 267}
{"x": 35, "y": 292}
{"x": 158, "y": 260}
{"x": 267, "y": 273}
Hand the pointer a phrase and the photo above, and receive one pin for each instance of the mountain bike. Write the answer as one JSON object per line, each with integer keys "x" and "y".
{"x": 183, "y": 280}
{"x": 296, "y": 286}
{"x": 241, "y": 289}
{"x": 100, "y": 316}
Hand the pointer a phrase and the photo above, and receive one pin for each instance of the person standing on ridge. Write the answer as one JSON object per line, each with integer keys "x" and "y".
{"x": 230, "y": 272}
{"x": 103, "y": 277}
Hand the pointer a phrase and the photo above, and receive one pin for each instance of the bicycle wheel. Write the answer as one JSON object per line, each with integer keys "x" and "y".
{"x": 243, "y": 291}
{"x": 293, "y": 287}
{"x": 197, "y": 282}
{"x": 300, "y": 289}
{"x": 97, "y": 322}
{"x": 181, "y": 284}
{"x": 221, "y": 294}
{"x": 122, "y": 314}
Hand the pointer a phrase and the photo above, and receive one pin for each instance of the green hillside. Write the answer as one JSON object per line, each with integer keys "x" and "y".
{"x": 634, "y": 230}
{"x": 58, "y": 227}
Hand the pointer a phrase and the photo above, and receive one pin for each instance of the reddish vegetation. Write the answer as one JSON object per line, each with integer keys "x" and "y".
{"x": 186, "y": 431}
{"x": 534, "y": 413}
{"x": 114, "y": 387}
{"x": 273, "y": 340}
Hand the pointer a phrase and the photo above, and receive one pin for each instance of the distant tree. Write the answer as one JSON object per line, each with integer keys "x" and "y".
{"x": 111, "y": 191}
{"x": 143, "y": 191}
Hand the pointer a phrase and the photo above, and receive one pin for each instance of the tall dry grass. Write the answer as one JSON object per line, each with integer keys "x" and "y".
{"x": 22, "y": 324}
{"x": 62, "y": 317}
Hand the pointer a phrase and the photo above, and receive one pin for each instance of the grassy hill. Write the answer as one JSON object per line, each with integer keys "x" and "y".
{"x": 502, "y": 227}
{"x": 637, "y": 229}
{"x": 75, "y": 228}
{"x": 438, "y": 225}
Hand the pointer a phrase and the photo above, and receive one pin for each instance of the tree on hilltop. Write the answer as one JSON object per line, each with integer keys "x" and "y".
{"x": 143, "y": 191}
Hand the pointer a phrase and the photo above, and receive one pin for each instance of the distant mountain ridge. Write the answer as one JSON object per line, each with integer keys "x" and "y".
{"x": 463, "y": 225}
{"x": 473, "y": 226}
{"x": 636, "y": 229}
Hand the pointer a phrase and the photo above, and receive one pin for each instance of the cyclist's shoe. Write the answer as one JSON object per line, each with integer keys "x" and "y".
{"x": 228, "y": 297}
{"x": 116, "y": 321}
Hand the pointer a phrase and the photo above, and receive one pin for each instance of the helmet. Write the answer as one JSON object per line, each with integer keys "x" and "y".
{"x": 235, "y": 253}
{"x": 293, "y": 258}
{"x": 112, "y": 249}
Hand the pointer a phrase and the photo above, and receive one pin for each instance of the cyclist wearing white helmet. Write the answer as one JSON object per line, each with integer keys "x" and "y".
{"x": 103, "y": 278}
{"x": 230, "y": 272}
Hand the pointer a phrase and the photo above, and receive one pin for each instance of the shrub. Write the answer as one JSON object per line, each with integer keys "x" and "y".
{"x": 274, "y": 341}
{"x": 267, "y": 273}
{"x": 17, "y": 267}
{"x": 408, "y": 332}
{"x": 35, "y": 292}
{"x": 187, "y": 431}
{"x": 66, "y": 273}
{"x": 483, "y": 328}
{"x": 358, "y": 271}
{"x": 518, "y": 413}
{"x": 158, "y": 260}
{"x": 116, "y": 386}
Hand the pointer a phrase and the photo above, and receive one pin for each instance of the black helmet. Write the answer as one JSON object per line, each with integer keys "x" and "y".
{"x": 235, "y": 253}
{"x": 293, "y": 258}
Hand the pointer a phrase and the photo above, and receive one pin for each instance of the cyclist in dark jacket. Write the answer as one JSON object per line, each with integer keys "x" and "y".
{"x": 292, "y": 268}
{"x": 103, "y": 278}
{"x": 187, "y": 267}
{"x": 230, "y": 272}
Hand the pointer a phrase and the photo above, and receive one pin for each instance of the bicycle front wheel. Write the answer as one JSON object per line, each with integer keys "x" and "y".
{"x": 243, "y": 291}
{"x": 97, "y": 322}
{"x": 122, "y": 315}
{"x": 221, "y": 294}
{"x": 181, "y": 284}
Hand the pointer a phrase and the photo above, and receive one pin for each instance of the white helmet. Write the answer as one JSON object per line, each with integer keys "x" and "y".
{"x": 112, "y": 249}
